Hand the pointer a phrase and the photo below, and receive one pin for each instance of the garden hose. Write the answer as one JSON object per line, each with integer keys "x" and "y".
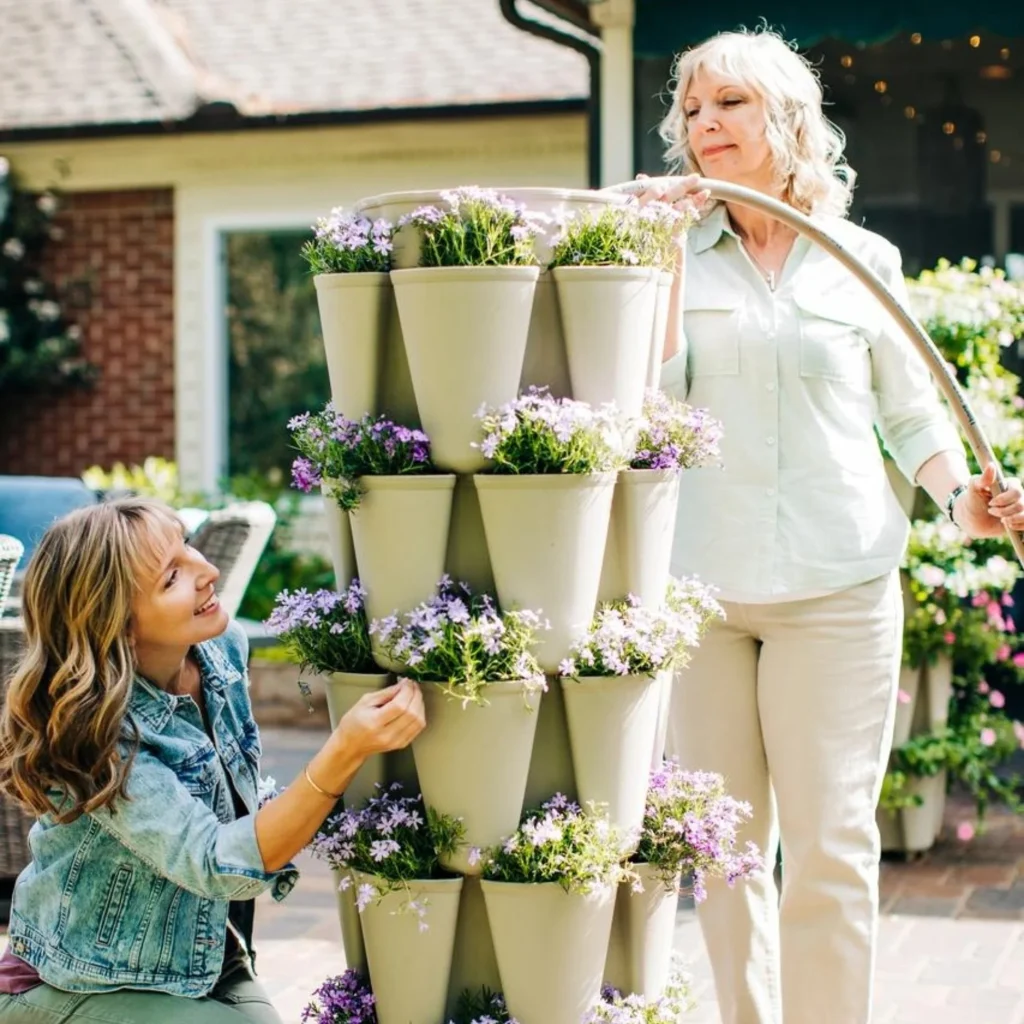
{"x": 942, "y": 372}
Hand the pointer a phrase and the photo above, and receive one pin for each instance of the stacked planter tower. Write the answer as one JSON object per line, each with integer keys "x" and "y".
{"x": 396, "y": 346}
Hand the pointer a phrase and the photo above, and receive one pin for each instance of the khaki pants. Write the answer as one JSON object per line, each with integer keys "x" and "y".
{"x": 794, "y": 704}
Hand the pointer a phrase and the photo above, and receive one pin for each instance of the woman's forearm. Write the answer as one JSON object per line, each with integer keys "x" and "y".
{"x": 674, "y": 328}
{"x": 286, "y": 824}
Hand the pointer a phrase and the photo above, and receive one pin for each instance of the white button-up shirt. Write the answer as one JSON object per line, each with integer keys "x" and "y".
{"x": 800, "y": 378}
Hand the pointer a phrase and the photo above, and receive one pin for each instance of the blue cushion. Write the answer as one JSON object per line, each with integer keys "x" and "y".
{"x": 29, "y": 504}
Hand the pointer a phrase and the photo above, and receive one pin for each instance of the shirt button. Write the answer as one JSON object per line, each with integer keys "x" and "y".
{"x": 769, "y": 440}
{"x": 770, "y": 386}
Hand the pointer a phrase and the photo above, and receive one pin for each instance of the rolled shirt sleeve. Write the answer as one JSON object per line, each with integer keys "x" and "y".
{"x": 912, "y": 419}
{"x": 181, "y": 839}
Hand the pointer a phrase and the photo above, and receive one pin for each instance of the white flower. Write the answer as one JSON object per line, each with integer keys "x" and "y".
{"x": 14, "y": 248}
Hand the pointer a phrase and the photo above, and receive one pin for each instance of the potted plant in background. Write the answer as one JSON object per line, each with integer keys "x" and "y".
{"x": 690, "y": 827}
{"x": 607, "y": 267}
{"x": 465, "y": 313}
{"x": 481, "y": 686}
{"x": 546, "y": 503}
{"x": 670, "y": 437}
{"x": 380, "y": 474}
{"x": 550, "y": 895}
{"x": 350, "y": 257}
{"x": 408, "y": 906}
{"x": 612, "y": 689}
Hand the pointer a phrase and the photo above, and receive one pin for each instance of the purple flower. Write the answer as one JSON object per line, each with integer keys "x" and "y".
{"x": 344, "y": 999}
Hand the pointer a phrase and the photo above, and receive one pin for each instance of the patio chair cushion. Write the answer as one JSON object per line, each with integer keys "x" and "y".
{"x": 29, "y": 504}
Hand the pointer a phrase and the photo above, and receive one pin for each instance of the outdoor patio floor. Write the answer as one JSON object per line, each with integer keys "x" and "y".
{"x": 951, "y": 945}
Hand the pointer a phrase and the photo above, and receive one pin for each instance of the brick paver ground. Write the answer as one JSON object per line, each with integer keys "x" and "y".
{"x": 951, "y": 944}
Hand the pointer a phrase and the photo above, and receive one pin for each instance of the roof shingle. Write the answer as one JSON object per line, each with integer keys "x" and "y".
{"x": 87, "y": 62}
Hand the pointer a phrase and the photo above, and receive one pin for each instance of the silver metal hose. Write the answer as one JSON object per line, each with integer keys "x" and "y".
{"x": 944, "y": 375}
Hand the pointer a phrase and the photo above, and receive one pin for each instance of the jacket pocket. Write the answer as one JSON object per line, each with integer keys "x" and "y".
{"x": 118, "y": 892}
{"x": 836, "y": 329}
{"x": 713, "y": 322}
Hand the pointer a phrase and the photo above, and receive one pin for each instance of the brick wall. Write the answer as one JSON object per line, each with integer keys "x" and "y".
{"x": 114, "y": 272}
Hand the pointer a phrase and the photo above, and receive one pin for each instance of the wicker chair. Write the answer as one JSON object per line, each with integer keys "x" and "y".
{"x": 14, "y": 822}
{"x": 233, "y": 539}
{"x": 11, "y": 550}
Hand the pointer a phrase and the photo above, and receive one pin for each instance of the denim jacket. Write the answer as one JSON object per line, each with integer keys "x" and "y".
{"x": 137, "y": 896}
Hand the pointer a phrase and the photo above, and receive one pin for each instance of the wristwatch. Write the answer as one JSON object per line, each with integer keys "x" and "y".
{"x": 952, "y": 499}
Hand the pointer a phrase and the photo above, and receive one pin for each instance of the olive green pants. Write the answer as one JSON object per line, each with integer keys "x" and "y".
{"x": 236, "y": 999}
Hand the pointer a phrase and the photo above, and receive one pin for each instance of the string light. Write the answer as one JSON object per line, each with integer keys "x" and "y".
{"x": 995, "y": 156}
{"x": 915, "y": 38}
{"x": 1005, "y": 53}
{"x": 948, "y": 127}
{"x": 981, "y": 138}
{"x": 975, "y": 41}
{"x": 881, "y": 86}
{"x": 910, "y": 112}
{"x": 846, "y": 60}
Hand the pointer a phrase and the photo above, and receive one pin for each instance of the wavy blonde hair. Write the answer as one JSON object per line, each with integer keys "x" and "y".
{"x": 64, "y": 725}
{"x": 807, "y": 149}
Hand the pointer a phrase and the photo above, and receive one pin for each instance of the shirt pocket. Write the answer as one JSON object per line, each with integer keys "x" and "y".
{"x": 836, "y": 329}
{"x": 713, "y": 321}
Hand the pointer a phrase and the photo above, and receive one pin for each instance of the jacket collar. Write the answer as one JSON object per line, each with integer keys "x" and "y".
{"x": 155, "y": 706}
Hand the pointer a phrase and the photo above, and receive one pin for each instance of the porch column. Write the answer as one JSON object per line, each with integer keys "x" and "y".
{"x": 615, "y": 19}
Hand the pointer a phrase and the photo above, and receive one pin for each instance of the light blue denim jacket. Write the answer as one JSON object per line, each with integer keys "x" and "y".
{"x": 137, "y": 896}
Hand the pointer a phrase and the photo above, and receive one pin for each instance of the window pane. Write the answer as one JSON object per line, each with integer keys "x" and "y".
{"x": 276, "y": 365}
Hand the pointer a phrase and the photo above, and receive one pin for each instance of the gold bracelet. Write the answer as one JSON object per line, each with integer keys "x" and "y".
{"x": 322, "y": 792}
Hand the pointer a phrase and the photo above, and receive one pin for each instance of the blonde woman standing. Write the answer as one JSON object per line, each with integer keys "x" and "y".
{"x": 793, "y": 697}
{"x": 127, "y": 730}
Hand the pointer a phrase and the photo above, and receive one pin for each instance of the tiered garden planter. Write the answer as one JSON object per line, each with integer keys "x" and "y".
{"x": 540, "y": 542}
{"x": 465, "y": 331}
{"x": 409, "y": 967}
{"x": 339, "y": 536}
{"x": 640, "y": 536}
{"x": 613, "y": 724}
{"x": 344, "y": 690}
{"x": 546, "y": 535}
{"x": 354, "y": 319}
{"x": 661, "y": 311}
{"x": 551, "y": 948}
{"x": 608, "y": 316}
{"x": 640, "y": 951}
{"x": 400, "y": 536}
{"x": 473, "y": 762}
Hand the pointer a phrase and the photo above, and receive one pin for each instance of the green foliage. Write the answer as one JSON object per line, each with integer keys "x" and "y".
{"x": 474, "y": 227}
{"x": 39, "y": 349}
{"x": 620, "y": 236}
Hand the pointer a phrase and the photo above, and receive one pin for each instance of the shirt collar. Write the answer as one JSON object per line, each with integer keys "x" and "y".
{"x": 707, "y": 231}
{"x": 156, "y": 706}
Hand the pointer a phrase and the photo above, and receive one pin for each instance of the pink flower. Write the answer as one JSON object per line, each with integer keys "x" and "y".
{"x": 983, "y": 687}
{"x": 1008, "y": 624}
{"x": 978, "y": 600}
{"x": 965, "y": 831}
{"x": 1018, "y": 731}
{"x": 993, "y": 609}
{"x": 1003, "y": 653}
{"x": 903, "y": 697}
{"x": 988, "y": 737}
{"x": 1018, "y": 659}
{"x": 949, "y": 637}
{"x": 996, "y": 699}
{"x": 1007, "y": 601}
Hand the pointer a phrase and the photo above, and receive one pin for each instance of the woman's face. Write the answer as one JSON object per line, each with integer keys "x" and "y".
{"x": 175, "y": 605}
{"x": 726, "y": 127}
